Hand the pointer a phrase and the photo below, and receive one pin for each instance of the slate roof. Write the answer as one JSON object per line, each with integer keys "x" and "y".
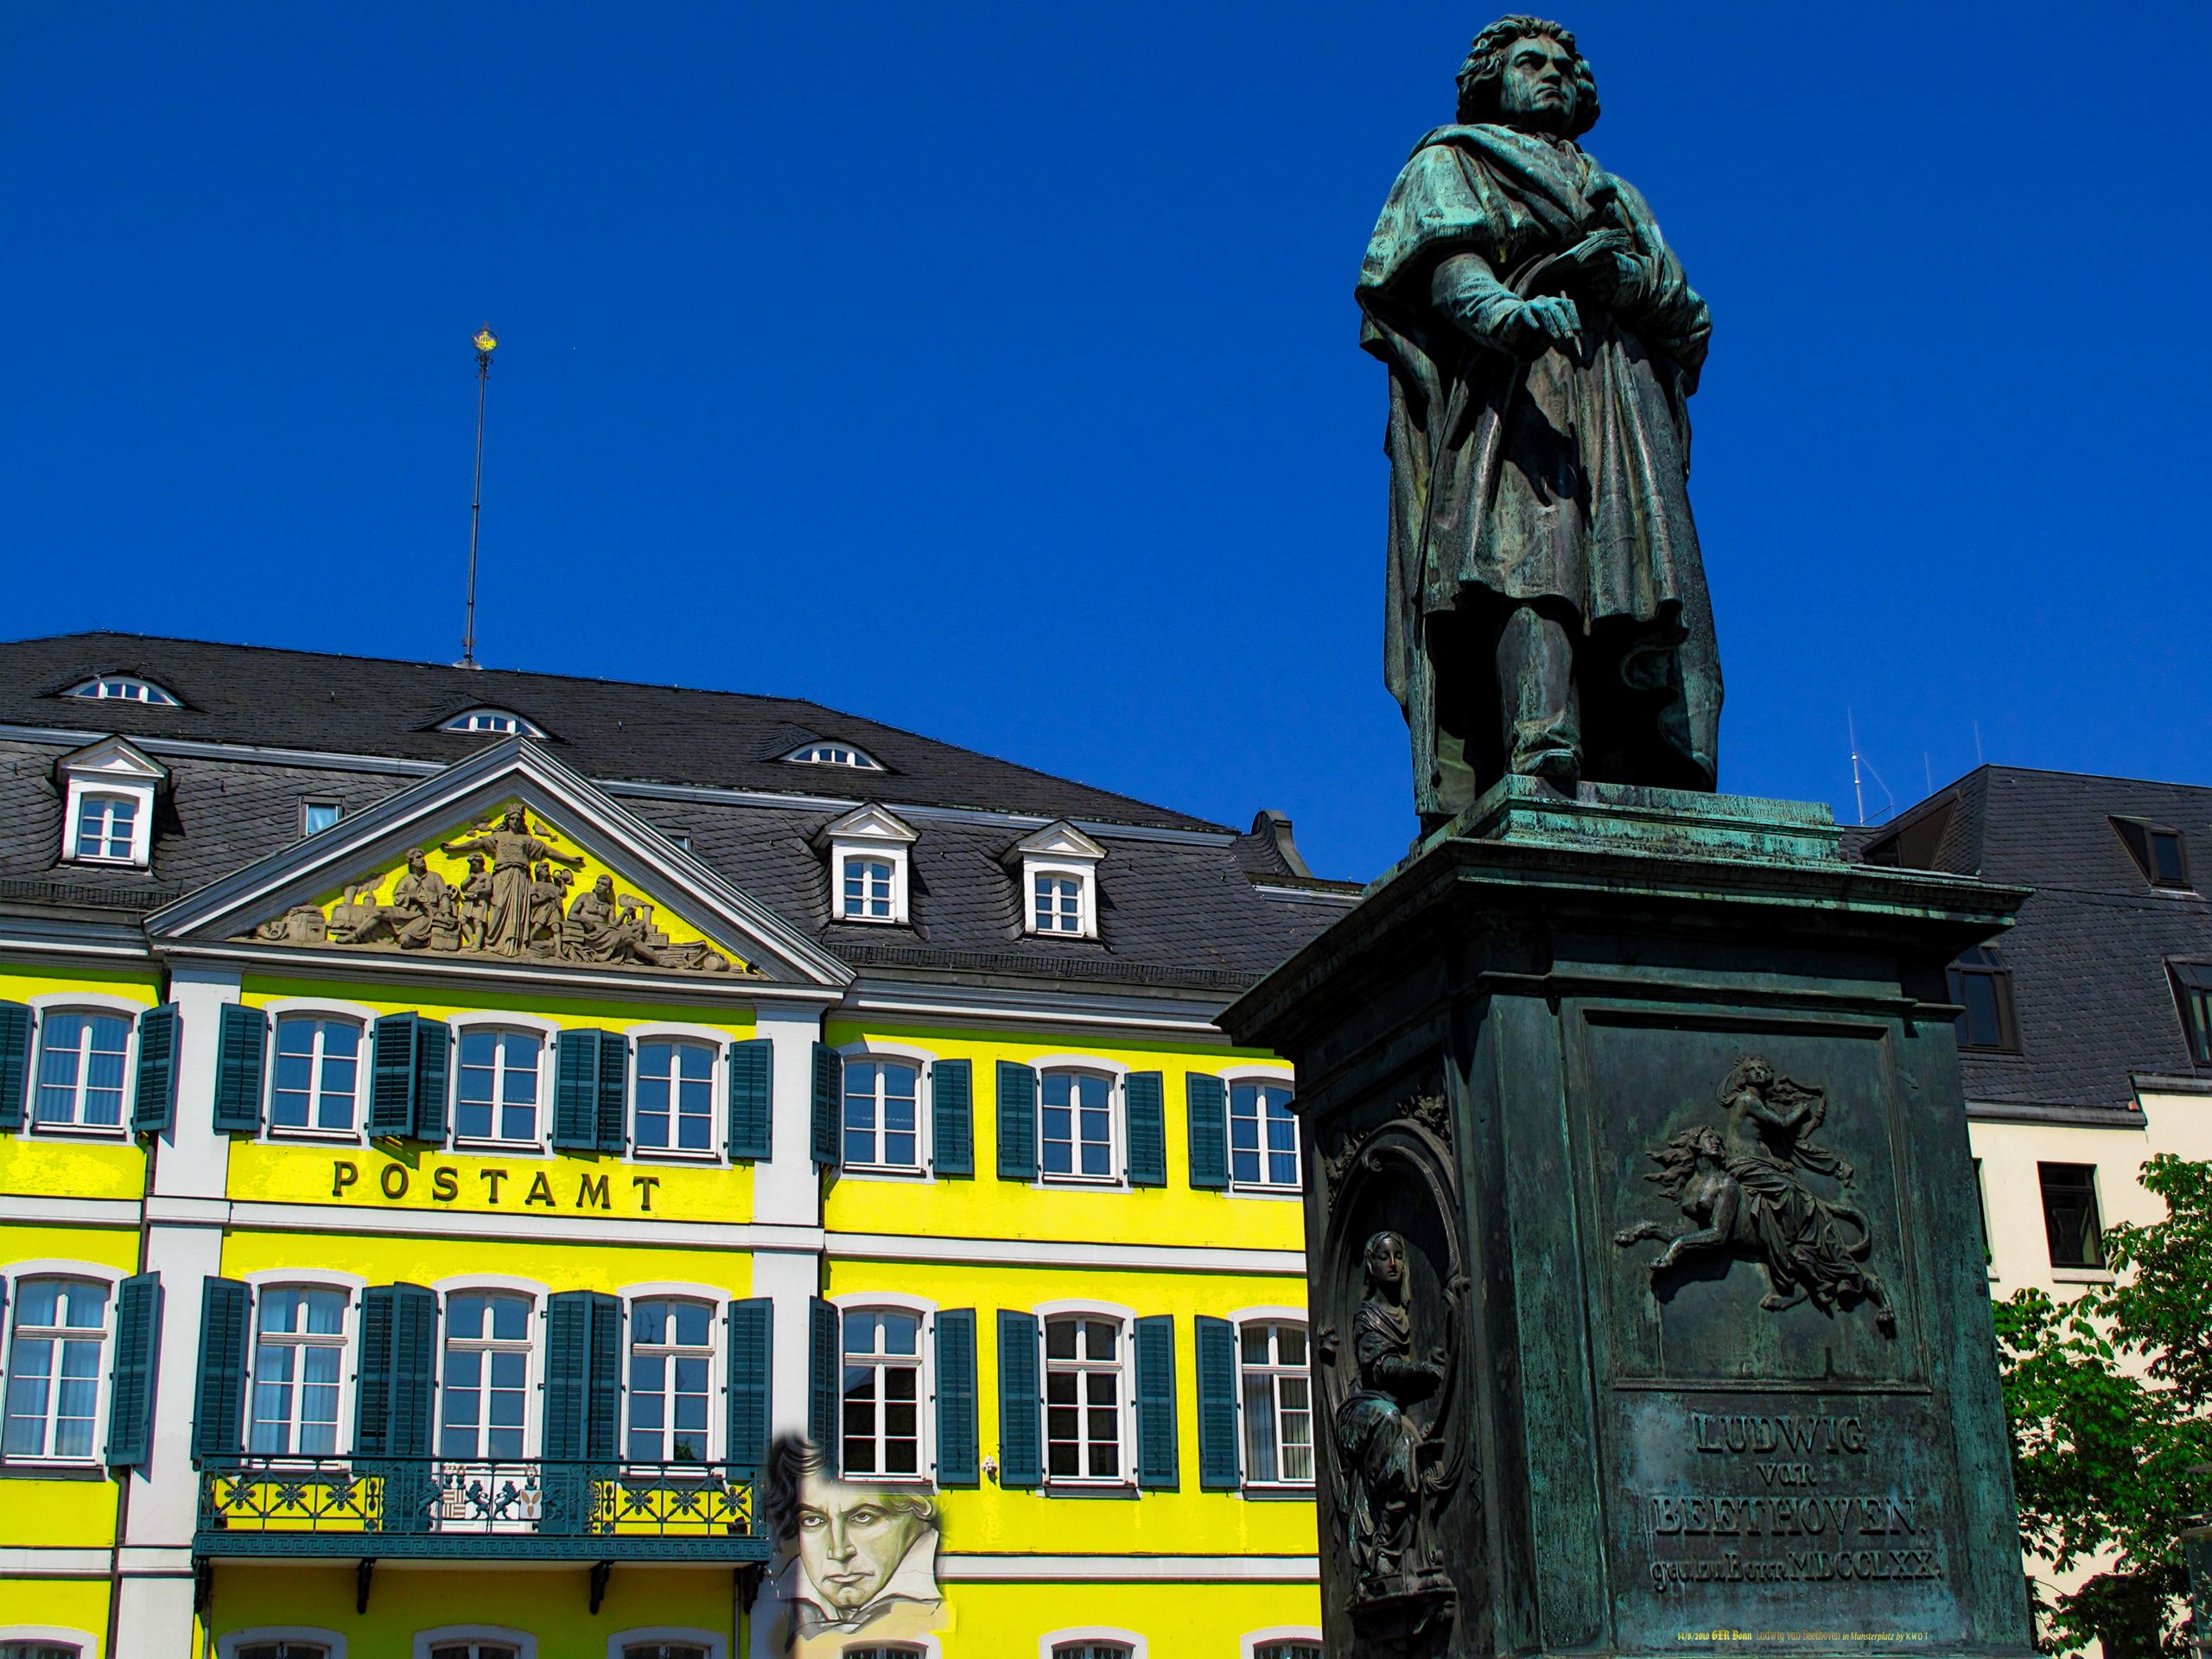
{"x": 2091, "y": 995}
{"x": 1209, "y": 911}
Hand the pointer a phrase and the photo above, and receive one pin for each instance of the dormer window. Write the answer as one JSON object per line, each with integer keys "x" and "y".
{"x": 869, "y": 878}
{"x": 834, "y": 755}
{"x": 1059, "y": 869}
{"x": 123, "y": 688}
{"x": 108, "y": 804}
{"x": 2157, "y": 850}
{"x": 494, "y": 721}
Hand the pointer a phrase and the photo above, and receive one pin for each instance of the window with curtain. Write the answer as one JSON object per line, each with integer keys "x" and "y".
{"x": 1085, "y": 1400}
{"x": 671, "y": 1363}
{"x": 1263, "y": 1135}
{"x": 883, "y": 1115}
{"x": 81, "y": 1057}
{"x": 483, "y": 1404}
{"x": 299, "y": 1351}
{"x": 675, "y": 1097}
{"x": 496, "y": 1098}
{"x": 1278, "y": 1405}
{"x": 54, "y": 1368}
{"x": 317, "y": 1079}
{"x": 882, "y": 1412}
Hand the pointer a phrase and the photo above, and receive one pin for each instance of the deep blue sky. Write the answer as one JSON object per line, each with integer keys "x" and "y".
{"x": 991, "y": 369}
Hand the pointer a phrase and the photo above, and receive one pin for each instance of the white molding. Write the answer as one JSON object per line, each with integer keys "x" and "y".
{"x": 647, "y": 1031}
{"x": 1252, "y": 1640}
{"x": 57, "y": 1267}
{"x": 1062, "y": 1306}
{"x": 1116, "y": 1069}
{"x": 73, "y": 1212}
{"x": 525, "y": 1644}
{"x": 1067, "y": 1253}
{"x": 1269, "y": 1315}
{"x": 1145, "y": 1016}
{"x": 1059, "y": 842}
{"x": 105, "y": 1002}
{"x": 716, "y": 1646}
{"x": 461, "y": 1283}
{"x": 897, "y": 1300}
{"x": 50, "y": 1561}
{"x": 226, "y": 1647}
{"x": 1149, "y": 1569}
{"x": 869, "y": 1048}
{"x": 84, "y": 1642}
{"x": 308, "y": 1279}
{"x": 372, "y": 1220}
{"x": 1052, "y": 1640}
{"x": 188, "y": 1211}
{"x": 1258, "y": 1071}
{"x": 328, "y": 1007}
{"x": 682, "y": 1289}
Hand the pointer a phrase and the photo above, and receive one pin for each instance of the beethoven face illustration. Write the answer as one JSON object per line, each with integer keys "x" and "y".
{"x": 851, "y": 1539}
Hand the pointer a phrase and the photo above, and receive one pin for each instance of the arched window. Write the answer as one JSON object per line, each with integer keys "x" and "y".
{"x": 54, "y": 1368}
{"x": 107, "y": 828}
{"x": 81, "y": 1061}
{"x": 40, "y": 1650}
{"x": 671, "y": 1365}
{"x": 675, "y": 1097}
{"x": 882, "y": 1427}
{"x": 883, "y": 1115}
{"x": 1086, "y": 1400}
{"x": 473, "y": 1649}
{"x": 315, "y": 1084}
{"x": 1293, "y": 1649}
{"x": 834, "y": 755}
{"x": 867, "y": 893}
{"x": 493, "y": 721}
{"x": 299, "y": 1352}
{"x": 286, "y": 1649}
{"x": 1078, "y": 1138}
{"x": 1093, "y": 1650}
{"x": 123, "y": 688}
{"x": 496, "y": 1095}
{"x": 484, "y": 1400}
{"x": 699, "y": 1650}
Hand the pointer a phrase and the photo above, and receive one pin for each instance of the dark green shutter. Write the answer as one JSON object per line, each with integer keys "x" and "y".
{"x": 373, "y": 1384}
{"x": 153, "y": 1096}
{"x": 615, "y": 1094}
{"x": 828, "y": 1103}
{"x": 1209, "y": 1102}
{"x": 956, "y": 1397}
{"x": 577, "y": 1056}
{"x": 752, "y": 1070}
{"x": 567, "y": 1372}
{"x": 1156, "y": 1459}
{"x": 952, "y": 1118}
{"x": 824, "y": 1381}
{"x": 1017, "y": 1123}
{"x": 752, "y": 1353}
{"x": 414, "y": 1368}
{"x": 14, "y": 1062}
{"x": 1021, "y": 1403}
{"x": 603, "y": 1397}
{"x": 1217, "y": 1448}
{"x": 407, "y": 1077}
{"x": 241, "y": 1039}
{"x": 1145, "y": 1097}
{"x": 130, "y": 1384}
{"x": 225, "y": 1324}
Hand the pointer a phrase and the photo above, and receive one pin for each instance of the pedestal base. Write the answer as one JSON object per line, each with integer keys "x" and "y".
{"x": 1649, "y": 1300}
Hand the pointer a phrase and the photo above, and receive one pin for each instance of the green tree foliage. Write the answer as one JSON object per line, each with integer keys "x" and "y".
{"x": 2111, "y": 1400}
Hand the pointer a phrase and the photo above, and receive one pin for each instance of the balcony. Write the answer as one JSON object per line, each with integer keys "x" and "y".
{"x": 515, "y": 1509}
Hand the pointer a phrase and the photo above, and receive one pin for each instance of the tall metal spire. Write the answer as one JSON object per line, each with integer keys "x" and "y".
{"x": 485, "y": 343}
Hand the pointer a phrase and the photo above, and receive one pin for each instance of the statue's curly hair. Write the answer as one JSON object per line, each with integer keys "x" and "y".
{"x": 1485, "y": 67}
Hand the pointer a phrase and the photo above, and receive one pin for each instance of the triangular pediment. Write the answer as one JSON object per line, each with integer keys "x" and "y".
{"x": 112, "y": 757}
{"x": 509, "y": 862}
{"x": 870, "y": 822}
{"x": 1060, "y": 839}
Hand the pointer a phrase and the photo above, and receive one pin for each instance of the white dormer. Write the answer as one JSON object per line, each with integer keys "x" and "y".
{"x": 828, "y": 752}
{"x": 501, "y": 723}
{"x": 107, "y": 810}
{"x": 869, "y": 878}
{"x": 123, "y": 688}
{"x": 1059, "y": 882}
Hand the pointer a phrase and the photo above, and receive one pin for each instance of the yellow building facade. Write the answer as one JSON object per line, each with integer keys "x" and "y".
{"x": 431, "y": 1223}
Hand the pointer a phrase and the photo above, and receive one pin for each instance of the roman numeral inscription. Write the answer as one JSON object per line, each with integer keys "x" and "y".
{"x": 1787, "y": 1498}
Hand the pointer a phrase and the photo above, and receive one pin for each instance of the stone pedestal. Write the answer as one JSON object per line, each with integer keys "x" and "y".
{"x": 1650, "y": 1306}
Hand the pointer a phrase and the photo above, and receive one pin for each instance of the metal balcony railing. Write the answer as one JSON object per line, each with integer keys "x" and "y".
{"x": 533, "y": 1508}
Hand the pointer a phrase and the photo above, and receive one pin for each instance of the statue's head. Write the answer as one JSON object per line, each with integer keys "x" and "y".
{"x": 1709, "y": 1144}
{"x": 604, "y": 886}
{"x": 476, "y": 863}
{"x": 416, "y": 863}
{"x": 1384, "y": 1260}
{"x": 1525, "y": 72}
{"x": 514, "y": 820}
{"x": 1752, "y": 1071}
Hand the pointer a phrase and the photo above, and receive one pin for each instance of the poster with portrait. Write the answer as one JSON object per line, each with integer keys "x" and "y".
{"x": 855, "y": 1566}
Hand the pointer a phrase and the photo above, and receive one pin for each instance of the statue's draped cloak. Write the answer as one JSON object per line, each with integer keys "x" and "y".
{"x": 1559, "y": 479}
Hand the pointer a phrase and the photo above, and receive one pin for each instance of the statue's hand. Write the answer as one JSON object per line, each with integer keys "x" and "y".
{"x": 1600, "y": 265}
{"x": 1536, "y": 325}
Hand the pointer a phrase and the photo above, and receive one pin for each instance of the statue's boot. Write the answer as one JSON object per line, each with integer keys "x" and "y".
{"x": 1536, "y": 682}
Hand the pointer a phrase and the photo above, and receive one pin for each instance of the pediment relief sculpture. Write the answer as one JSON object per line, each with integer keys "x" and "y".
{"x": 509, "y": 887}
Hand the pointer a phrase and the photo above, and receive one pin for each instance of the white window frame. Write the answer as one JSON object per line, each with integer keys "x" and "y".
{"x": 114, "y": 767}
{"x": 1252, "y": 1641}
{"x": 1059, "y": 849}
{"x": 533, "y": 1427}
{"x": 60, "y": 1267}
{"x": 515, "y": 725}
{"x": 226, "y": 1647}
{"x": 713, "y": 1644}
{"x": 60, "y": 1635}
{"x": 832, "y": 752}
{"x": 1280, "y": 1076}
{"x": 1048, "y": 1644}
{"x": 924, "y": 1382}
{"x": 547, "y": 1033}
{"x": 128, "y": 688}
{"x": 523, "y": 1644}
{"x": 120, "y": 815}
{"x": 1086, "y": 904}
{"x": 329, "y": 1013}
{"x": 1282, "y": 1315}
{"x": 1117, "y": 1156}
{"x": 922, "y": 1061}
{"x": 1125, "y": 1365}
{"x": 717, "y": 1300}
{"x": 717, "y": 1042}
{"x": 309, "y": 803}
{"x": 53, "y": 1002}
{"x": 870, "y": 832}
{"x": 348, "y": 1285}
